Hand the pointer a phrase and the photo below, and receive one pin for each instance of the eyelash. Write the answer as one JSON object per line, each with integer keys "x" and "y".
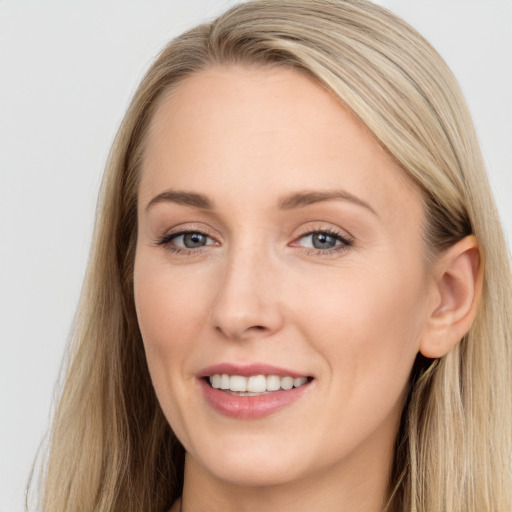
{"x": 345, "y": 242}
{"x": 166, "y": 242}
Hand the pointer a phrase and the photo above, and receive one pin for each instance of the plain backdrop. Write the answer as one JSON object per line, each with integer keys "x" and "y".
{"x": 67, "y": 72}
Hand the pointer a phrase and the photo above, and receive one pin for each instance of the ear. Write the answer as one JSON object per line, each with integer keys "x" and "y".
{"x": 457, "y": 288}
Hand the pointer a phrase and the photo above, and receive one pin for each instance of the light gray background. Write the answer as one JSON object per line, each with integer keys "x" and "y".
{"x": 67, "y": 71}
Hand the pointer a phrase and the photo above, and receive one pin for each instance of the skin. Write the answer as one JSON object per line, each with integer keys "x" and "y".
{"x": 354, "y": 319}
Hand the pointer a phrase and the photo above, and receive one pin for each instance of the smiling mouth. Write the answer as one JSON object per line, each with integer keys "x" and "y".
{"x": 254, "y": 385}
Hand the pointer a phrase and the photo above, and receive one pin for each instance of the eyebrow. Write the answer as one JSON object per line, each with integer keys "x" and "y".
{"x": 305, "y": 198}
{"x": 184, "y": 198}
{"x": 289, "y": 202}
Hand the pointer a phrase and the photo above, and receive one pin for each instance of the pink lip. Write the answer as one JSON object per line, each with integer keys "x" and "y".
{"x": 249, "y": 407}
{"x": 248, "y": 370}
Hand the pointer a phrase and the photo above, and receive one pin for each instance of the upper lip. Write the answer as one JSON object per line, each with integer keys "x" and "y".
{"x": 248, "y": 370}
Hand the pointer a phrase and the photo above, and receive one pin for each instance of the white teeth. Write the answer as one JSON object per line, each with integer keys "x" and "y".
{"x": 273, "y": 382}
{"x": 215, "y": 380}
{"x": 299, "y": 381}
{"x": 287, "y": 382}
{"x": 224, "y": 381}
{"x": 237, "y": 383}
{"x": 255, "y": 383}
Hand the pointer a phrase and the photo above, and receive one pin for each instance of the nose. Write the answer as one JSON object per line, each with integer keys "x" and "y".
{"x": 247, "y": 302}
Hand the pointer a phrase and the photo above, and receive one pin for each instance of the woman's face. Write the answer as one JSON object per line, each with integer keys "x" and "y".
{"x": 278, "y": 245}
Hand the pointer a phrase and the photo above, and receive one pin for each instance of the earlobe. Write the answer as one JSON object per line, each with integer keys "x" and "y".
{"x": 457, "y": 291}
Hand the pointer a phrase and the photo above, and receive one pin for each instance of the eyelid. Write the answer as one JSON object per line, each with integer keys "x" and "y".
{"x": 323, "y": 227}
{"x": 204, "y": 228}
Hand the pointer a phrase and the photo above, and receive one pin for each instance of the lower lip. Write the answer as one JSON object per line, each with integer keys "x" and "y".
{"x": 250, "y": 407}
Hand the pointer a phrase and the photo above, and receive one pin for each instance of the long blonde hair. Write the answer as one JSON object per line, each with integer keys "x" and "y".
{"x": 110, "y": 447}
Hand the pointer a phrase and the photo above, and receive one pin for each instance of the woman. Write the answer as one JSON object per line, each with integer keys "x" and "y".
{"x": 299, "y": 295}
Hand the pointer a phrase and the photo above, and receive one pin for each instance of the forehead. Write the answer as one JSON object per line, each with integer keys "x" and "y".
{"x": 266, "y": 131}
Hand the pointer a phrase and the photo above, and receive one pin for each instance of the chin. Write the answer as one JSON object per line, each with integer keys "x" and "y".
{"x": 254, "y": 474}
{"x": 260, "y": 465}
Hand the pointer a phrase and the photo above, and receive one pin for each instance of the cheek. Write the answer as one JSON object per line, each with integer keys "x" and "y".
{"x": 171, "y": 316}
{"x": 168, "y": 307}
{"x": 367, "y": 324}
{"x": 366, "y": 327}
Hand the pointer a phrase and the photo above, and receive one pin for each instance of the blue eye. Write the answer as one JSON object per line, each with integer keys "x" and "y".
{"x": 321, "y": 241}
{"x": 185, "y": 241}
{"x": 324, "y": 241}
{"x": 190, "y": 240}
